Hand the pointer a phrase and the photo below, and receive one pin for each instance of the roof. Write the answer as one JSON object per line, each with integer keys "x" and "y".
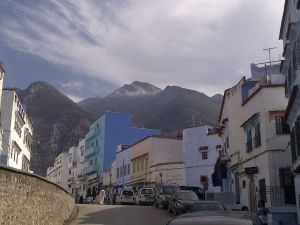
{"x": 283, "y": 19}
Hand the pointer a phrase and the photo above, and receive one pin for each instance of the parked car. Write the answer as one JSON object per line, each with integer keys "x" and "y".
{"x": 145, "y": 196}
{"x": 126, "y": 197}
{"x": 181, "y": 201}
{"x": 163, "y": 194}
{"x": 206, "y": 206}
{"x": 216, "y": 218}
{"x": 198, "y": 191}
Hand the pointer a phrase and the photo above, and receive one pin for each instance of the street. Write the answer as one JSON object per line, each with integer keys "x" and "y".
{"x": 120, "y": 215}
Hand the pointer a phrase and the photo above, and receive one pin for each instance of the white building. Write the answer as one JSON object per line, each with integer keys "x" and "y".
{"x": 81, "y": 182}
{"x": 123, "y": 167}
{"x": 201, "y": 148}
{"x": 255, "y": 140}
{"x": 17, "y": 132}
{"x": 58, "y": 173}
{"x": 73, "y": 161}
{"x": 290, "y": 67}
{"x": 2, "y": 71}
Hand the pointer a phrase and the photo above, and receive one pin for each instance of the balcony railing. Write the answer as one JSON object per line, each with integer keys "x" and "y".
{"x": 90, "y": 152}
{"x": 277, "y": 196}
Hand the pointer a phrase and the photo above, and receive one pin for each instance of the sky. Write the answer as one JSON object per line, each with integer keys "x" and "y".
{"x": 90, "y": 48}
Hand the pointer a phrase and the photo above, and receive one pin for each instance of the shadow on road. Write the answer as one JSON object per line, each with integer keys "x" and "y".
{"x": 121, "y": 215}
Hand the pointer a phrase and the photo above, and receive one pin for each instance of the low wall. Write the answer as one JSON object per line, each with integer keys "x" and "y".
{"x": 27, "y": 199}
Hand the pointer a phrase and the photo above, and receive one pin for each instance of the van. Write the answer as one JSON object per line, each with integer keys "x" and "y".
{"x": 145, "y": 196}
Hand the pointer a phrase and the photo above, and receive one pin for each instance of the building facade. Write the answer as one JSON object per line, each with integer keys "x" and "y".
{"x": 157, "y": 159}
{"x": 59, "y": 173}
{"x": 106, "y": 133}
{"x": 290, "y": 67}
{"x": 255, "y": 140}
{"x": 17, "y": 132}
{"x": 123, "y": 167}
{"x": 201, "y": 149}
{"x": 2, "y": 72}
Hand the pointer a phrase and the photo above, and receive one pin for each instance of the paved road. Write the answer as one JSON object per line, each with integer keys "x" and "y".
{"x": 120, "y": 215}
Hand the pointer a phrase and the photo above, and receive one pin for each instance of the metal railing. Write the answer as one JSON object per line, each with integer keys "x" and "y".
{"x": 280, "y": 196}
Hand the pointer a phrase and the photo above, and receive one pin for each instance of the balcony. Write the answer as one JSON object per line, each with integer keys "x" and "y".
{"x": 91, "y": 169}
{"x": 91, "y": 151}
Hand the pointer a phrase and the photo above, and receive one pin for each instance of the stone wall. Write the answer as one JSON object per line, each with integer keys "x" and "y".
{"x": 27, "y": 199}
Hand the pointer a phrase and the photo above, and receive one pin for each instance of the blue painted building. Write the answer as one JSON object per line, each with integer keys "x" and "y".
{"x": 106, "y": 133}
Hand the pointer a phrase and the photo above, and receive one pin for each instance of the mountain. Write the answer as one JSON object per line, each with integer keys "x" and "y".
{"x": 137, "y": 88}
{"x": 170, "y": 110}
{"x": 57, "y": 121}
{"x": 217, "y": 97}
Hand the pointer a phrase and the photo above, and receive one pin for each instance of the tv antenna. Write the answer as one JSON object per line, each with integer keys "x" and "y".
{"x": 269, "y": 50}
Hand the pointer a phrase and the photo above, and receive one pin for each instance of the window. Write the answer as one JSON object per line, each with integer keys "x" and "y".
{"x": 146, "y": 163}
{"x": 134, "y": 165}
{"x": 281, "y": 126}
{"x": 95, "y": 160}
{"x": 142, "y": 164}
{"x": 249, "y": 147}
{"x": 128, "y": 169}
{"x": 121, "y": 171}
{"x": 70, "y": 172}
{"x": 138, "y": 166}
{"x": 257, "y": 138}
{"x": 118, "y": 171}
{"x": 227, "y": 142}
{"x": 204, "y": 155}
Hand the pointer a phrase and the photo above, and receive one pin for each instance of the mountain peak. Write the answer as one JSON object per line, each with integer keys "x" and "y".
{"x": 136, "y": 88}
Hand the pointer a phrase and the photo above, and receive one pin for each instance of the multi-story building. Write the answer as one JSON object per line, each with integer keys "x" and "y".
{"x": 81, "y": 183}
{"x": 59, "y": 173}
{"x": 290, "y": 67}
{"x": 255, "y": 140}
{"x": 2, "y": 71}
{"x": 106, "y": 133}
{"x": 156, "y": 159}
{"x": 73, "y": 159}
{"x": 123, "y": 167}
{"x": 17, "y": 132}
{"x": 201, "y": 149}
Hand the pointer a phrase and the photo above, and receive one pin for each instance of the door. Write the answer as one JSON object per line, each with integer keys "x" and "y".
{"x": 252, "y": 195}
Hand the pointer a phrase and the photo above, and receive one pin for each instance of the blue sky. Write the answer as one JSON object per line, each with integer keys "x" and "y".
{"x": 89, "y": 48}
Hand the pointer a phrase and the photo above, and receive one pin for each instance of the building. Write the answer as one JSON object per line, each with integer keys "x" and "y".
{"x": 73, "y": 161}
{"x": 201, "y": 149}
{"x": 17, "y": 132}
{"x": 290, "y": 67}
{"x": 2, "y": 71}
{"x": 156, "y": 159}
{"x": 59, "y": 173}
{"x": 123, "y": 167}
{"x": 255, "y": 140}
{"x": 105, "y": 134}
{"x": 81, "y": 182}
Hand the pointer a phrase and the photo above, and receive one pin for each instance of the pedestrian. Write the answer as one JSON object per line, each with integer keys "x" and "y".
{"x": 80, "y": 199}
{"x": 262, "y": 212}
{"x": 102, "y": 197}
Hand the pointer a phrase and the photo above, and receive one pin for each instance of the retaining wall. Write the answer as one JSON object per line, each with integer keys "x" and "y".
{"x": 27, "y": 199}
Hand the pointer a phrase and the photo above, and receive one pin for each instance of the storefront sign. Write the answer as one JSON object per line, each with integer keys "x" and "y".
{"x": 251, "y": 170}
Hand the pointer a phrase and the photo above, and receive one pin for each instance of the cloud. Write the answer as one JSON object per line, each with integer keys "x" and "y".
{"x": 73, "y": 84}
{"x": 74, "y": 98}
{"x": 196, "y": 44}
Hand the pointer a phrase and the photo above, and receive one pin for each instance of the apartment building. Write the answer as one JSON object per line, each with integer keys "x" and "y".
{"x": 17, "y": 132}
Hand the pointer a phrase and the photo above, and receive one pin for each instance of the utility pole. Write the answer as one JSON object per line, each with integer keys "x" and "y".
{"x": 269, "y": 50}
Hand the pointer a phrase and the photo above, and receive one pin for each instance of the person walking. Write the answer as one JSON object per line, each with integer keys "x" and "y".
{"x": 262, "y": 212}
{"x": 102, "y": 197}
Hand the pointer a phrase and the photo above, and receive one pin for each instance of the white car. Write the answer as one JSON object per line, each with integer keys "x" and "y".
{"x": 145, "y": 196}
{"x": 125, "y": 197}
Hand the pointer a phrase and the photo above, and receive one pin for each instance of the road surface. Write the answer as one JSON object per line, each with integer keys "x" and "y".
{"x": 120, "y": 215}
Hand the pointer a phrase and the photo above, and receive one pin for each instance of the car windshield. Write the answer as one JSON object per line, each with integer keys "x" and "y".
{"x": 169, "y": 190}
{"x": 206, "y": 207}
{"x": 187, "y": 196}
{"x": 129, "y": 193}
{"x": 147, "y": 191}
